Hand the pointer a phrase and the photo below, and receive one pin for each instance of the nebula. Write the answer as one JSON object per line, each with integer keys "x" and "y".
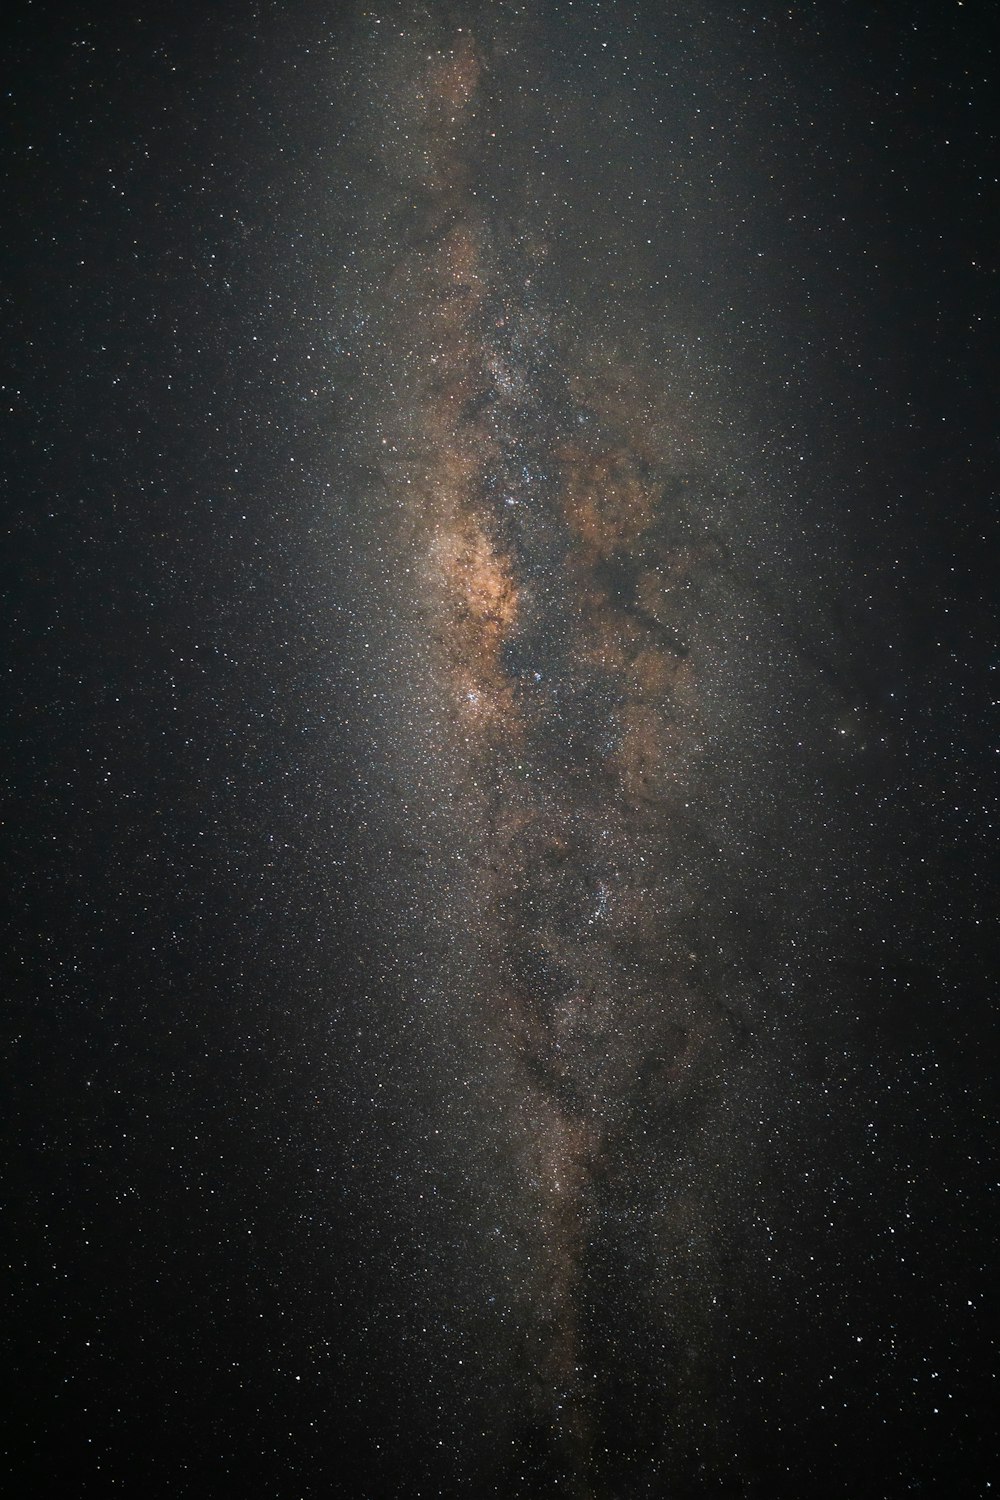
{"x": 545, "y": 492}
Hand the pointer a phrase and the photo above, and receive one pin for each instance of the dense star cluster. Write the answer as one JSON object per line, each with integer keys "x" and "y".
{"x": 497, "y": 817}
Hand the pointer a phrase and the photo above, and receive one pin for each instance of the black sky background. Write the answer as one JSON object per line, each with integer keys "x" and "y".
{"x": 206, "y": 1203}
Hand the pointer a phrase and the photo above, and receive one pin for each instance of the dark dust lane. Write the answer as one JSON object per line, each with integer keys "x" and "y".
{"x": 555, "y": 510}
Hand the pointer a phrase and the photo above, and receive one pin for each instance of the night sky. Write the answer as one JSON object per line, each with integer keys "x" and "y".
{"x": 499, "y": 571}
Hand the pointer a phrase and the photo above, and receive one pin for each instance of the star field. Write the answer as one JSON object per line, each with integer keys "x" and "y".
{"x": 498, "y": 808}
